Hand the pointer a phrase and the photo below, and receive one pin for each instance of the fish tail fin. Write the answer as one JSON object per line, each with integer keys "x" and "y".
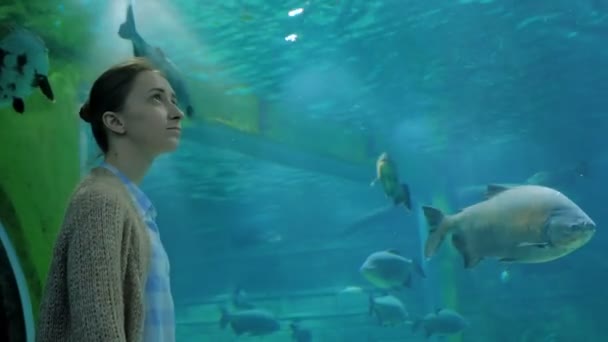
{"x": 225, "y": 318}
{"x": 43, "y": 83}
{"x": 407, "y": 199}
{"x": 439, "y": 226}
{"x": 127, "y": 29}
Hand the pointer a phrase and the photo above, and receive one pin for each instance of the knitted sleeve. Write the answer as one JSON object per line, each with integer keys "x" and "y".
{"x": 94, "y": 269}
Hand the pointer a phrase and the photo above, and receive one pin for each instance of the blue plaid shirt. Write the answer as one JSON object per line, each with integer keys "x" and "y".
{"x": 159, "y": 323}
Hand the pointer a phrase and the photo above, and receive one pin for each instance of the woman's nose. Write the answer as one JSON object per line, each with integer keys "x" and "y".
{"x": 176, "y": 113}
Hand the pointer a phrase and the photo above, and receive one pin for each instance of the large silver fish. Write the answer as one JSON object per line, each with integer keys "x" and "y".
{"x": 389, "y": 310}
{"x": 24, "y": 65}
{"x": 522, "y": 224}
{"x": 157, "y": 57}
{"x": 390, "y": 270}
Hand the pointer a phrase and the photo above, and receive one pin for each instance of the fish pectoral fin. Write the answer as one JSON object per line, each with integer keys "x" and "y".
{"x": 534, "y": 244}
{"x": 460, "y": 242}
{"x": 373, "y": 182}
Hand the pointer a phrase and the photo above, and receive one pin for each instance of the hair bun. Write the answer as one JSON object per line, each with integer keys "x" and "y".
{"x": 85, "y": 112}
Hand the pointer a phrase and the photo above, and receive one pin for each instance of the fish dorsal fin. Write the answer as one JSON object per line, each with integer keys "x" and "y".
{"x": 438, "y": 310}
{"x": 394, "y": 251}
{"x": 494, "y": 189}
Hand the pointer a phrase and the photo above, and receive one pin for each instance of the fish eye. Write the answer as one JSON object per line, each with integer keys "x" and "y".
{"x": 581, "y": 227}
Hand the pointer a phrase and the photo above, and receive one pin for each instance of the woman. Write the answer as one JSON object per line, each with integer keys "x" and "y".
{"x": 109, "y": 275}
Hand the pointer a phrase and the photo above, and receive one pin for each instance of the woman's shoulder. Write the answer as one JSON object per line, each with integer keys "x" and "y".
{"x": 100, "y": 188}
{"x": 100, "y": 200}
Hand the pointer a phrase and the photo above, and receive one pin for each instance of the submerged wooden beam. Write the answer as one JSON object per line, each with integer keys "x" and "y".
{"x": 263, "y": 148}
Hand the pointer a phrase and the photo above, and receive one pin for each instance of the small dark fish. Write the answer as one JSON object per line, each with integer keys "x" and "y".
{"x": 441, "y": 322}
{"x": 388, "y": 175}
{"x": 389, "y": 270}
{"x": 300, "y": 334}
{"x": 522, "y": 224}
{"x": 253, "y": 322}
{"x": 24, "y": 65}
{"x": 157, "y": 57}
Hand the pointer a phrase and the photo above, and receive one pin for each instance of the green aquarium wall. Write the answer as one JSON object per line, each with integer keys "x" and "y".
{"x": 39, "y": 159}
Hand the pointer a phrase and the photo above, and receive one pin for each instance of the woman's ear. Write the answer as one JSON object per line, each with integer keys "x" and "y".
{"x": 114, "y": 122}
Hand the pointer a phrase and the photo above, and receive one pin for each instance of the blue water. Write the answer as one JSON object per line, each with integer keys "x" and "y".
{"x": 462, "y": 93}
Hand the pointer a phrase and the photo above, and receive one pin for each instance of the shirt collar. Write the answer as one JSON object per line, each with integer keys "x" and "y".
{"x": 143, "y": 201}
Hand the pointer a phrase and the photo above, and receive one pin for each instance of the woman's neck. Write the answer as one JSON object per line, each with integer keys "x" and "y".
{"x": 134, "y": 164}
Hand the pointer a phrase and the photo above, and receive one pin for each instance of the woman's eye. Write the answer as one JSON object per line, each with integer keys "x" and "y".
{"x": 157, "y": 97}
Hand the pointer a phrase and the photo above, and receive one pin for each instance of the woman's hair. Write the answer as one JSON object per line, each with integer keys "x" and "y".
{"x": 109, "y": 93}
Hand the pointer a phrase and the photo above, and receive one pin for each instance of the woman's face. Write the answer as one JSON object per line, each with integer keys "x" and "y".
{"x": 151, "y": 117}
